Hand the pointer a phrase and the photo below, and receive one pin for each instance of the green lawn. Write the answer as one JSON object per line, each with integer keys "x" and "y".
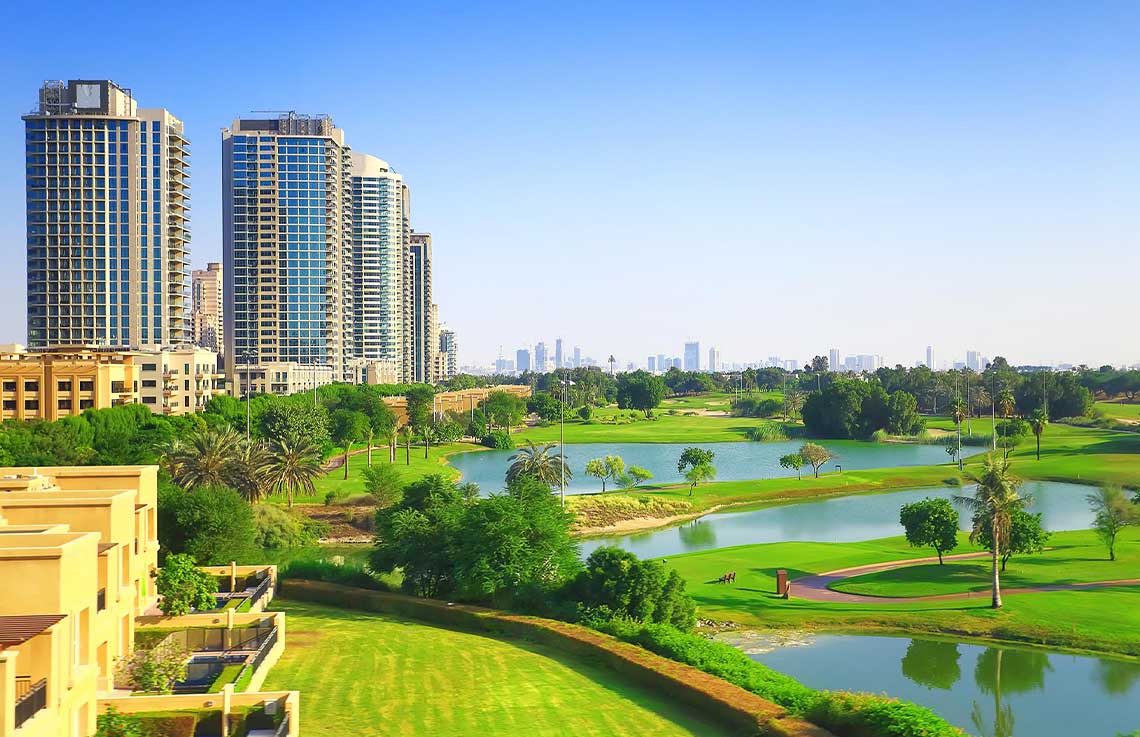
{"x": 369, "y": 674}
{"x": 661, "y": 428}
{"x": 416, "y": 469}
{"x": 1120, "y": 410}
{"x": 1098, "y": 619}
{"x": 1073, "y": 557}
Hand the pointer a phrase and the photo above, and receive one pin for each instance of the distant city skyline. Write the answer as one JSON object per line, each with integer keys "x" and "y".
{"x": 772, "y": 179}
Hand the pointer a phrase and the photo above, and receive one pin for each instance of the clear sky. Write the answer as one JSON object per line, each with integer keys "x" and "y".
{"x": 772, "y": 178}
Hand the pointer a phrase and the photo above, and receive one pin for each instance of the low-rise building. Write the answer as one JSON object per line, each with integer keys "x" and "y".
{"x": 48, "y": 385}
{"x": 280, "y": 377}
{"x": 179, "y": 381}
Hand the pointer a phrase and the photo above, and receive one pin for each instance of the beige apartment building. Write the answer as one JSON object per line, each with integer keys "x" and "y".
{"x": 78, "y": 548}
{"x": 108, "y": 198}
{"x": 179, "y": 381}
{"x": 206, "y": 321}
{"x": 55, "y": 384}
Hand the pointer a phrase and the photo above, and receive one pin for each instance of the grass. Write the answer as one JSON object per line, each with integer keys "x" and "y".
{"x": 1120, "y": 410}
{"x": 1103, "y": 620}
{"x": 1073, "y": 557}
{"x": 363, "y": 673}
{"x": 417, "y": 468}
{"x": 662, "y": 428}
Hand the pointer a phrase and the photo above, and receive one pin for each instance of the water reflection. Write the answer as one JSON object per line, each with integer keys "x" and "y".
{"x": 1116, "y": 676}
{"x": 1001, "y": 672}
{"x": 697, "y": 535}
{"x": 932, "y": 663}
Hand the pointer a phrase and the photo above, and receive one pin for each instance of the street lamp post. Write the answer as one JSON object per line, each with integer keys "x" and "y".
{"x": 993, "y": 405}
{"x": 562, "y": 442}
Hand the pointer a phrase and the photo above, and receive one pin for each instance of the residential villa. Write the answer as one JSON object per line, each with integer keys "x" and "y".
{"x": 78, "y": 550}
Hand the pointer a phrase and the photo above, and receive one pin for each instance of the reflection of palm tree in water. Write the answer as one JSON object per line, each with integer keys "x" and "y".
{"x": 1005, "y": 672}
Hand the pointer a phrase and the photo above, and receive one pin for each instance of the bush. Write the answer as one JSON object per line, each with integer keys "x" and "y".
{"x": 1013, "y": 428}
{"x": 113, "y": 723}
{"x": 616, "y": 583}
{"x": 749, "y": 407}
{"x": 880, "y": 436}
{"x": 212, "y": 523}
{"x": 279, "y": 528}
{"x": 168, "y": 725}
{"x": 585, "y": 412}
{"x": 499, "y": 440}
{"x": 346, "y": 574}
{"x": 767, "y": 433}
{"x": 384, "y": 483}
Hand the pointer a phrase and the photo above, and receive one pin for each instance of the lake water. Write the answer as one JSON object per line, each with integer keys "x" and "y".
{"x": 843, "y": 519}
{"x": 990, "y": 691}
{"x": 735, "y": 461}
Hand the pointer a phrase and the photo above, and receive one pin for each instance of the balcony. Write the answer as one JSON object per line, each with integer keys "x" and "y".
{"x": 30, "y": 698}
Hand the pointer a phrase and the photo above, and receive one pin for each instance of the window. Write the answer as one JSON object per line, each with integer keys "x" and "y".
{"x": 87, "y": 386}
{"x": 65, "y": 404}
{"x": 9, "y": 405}
{"x": 9, "y": 386}
{"x": 64, "y": 386}
{"x": 149, "y": 367}
{"x": 149, "y": 384}
{"x": 150, "y": 400}
{"x": 32, "y": 405}
{"x": 86, "y": 403}
{"x": 31, "y": 386}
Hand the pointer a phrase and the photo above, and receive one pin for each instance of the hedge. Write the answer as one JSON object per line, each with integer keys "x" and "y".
{"x": 739, "y": 709}
{"x": 845, "y": 714}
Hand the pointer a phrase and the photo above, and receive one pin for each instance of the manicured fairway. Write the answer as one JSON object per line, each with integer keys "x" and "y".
{"x": 1120, "y": 411}
{"x": 664, "y": 428}
{"x": 416, "y": 469}
{"x": 1106, "y": 620}
{"x": 370, "y": 674}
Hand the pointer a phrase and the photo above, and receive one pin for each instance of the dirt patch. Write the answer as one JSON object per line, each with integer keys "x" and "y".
{"x": 347, "y": 524}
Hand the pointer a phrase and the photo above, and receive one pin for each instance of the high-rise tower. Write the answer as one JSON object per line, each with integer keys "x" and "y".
{"x": 425, "y": 338}
{"x": 108, "y": 203}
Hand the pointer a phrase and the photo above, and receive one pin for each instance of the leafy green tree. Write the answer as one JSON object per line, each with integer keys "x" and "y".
{"x": 792, "y": 461}
{"x": 114, "y": 723}
{"x": 1112, "y": 513}
{"x": 639, "y": 475}
{"x": 815, "y": 456}
{"x": 183, "y": 587}
{"x": 903, "y": 415}
{"x": 421, "y": 400}
{"x": 640, "y": 390}
{"x": 608, "y": 468}
{"x": 585, "y": 412}
{"x": 930, "y": 523}
{"x": 995, "y": 501}
{"x": 155, "y": 670}
{"x": 1038, "y": 421}
{"x": 347, "y": 427}
{"x": 548, "y": 407}
{"x": 416, "y": 536}
{"x": 615, "y": 582}
{"x": 504, "y": 409}
{"x": 691, "y": 457}
{"x": 538, "y": 461}
{"x": 293, "y": 417}
{"x": 213, "y": 524}
{"x": 384, "y": 484}
{"x": 294, "y": 465}
{"x": 1026, "y": 535}
{"x": 699, "y": 474}
{"x": 836, "y": 412}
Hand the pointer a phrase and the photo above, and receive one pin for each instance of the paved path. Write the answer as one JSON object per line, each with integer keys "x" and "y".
{"x": 815, "y": 588}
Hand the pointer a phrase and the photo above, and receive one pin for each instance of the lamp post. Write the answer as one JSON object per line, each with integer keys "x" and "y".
{"x": 562, "y": 442}
{"x": 993, "y": 404}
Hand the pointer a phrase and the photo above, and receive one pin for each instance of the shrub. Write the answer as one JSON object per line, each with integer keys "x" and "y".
{"x": 880, "y": 436}
{"x": 168, "y": 725}
{"x": 499, "y": 440}
{"x": 212, "y": 523}
{"x": 385, "y": 483}
{"x": 113, "y": 723}
{"x": 155, "y": 670}
{"x": 585, "y": 412}
{"x": 1013, "y": 428}
{"x": 767, "y": 433}
{"x": 330, "y": 497}
{"x": 616, "y": 583}
{"x": 183, "y": 587}
{"x": 347, "y": 573}
{"x": 749, "y": 407}
{"x": 279, "y": 528}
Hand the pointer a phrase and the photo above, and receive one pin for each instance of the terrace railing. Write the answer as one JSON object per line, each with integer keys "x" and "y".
{"x": 30, "y": 698}
{"x": 259, "y": 657}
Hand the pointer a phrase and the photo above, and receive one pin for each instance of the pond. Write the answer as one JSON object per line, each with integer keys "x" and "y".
{"x": 843, "y": 519}
{"x": 735, "y": 461}
{"x": 990, "y": 691}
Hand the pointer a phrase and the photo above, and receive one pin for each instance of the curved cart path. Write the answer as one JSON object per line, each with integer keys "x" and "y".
{"x": 815, "y": 588}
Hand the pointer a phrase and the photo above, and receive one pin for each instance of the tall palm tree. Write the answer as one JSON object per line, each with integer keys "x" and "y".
{"x": 1005, "y": 403}
{"x": 539, "y": 462}
{"x": 994, "y": 502}
{"x": 1038, "y": 421}
{"x": 250, "y": 476}
{"x": 958, "y": 413}
{"x": 204, "y": 458}
{"x": 294, "y": 464}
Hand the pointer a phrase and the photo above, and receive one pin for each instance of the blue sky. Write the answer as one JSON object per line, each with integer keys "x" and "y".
{"x": 770, "y": 178}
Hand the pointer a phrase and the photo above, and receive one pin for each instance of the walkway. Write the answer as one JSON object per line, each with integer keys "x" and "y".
{"x": 815, "y": 588}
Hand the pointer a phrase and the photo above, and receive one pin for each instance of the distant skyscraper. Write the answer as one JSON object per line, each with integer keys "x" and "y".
{"x": 714, "y": 359}
{"x": 662, "y": 363}
{"x": 389, "y": 308}
{"x": 108, "y": 215}
{"x": 206, "y": 307}
{"x": 287, "y": 213}
{"x": 833, "y": 362}
{"x": 522, "y": 360}
{"x": 973, "y": 361}
{"x": 651, "y": 363}
{"x": 449, "y": 347}
{"x": 677, "y": 362}
{"x": 540, "y": 357}
{"x": 558, "y": 353}
{"x": 930, "y": 357}
{"x": 577, "y": 356}
{"x": 424, "y": 343}
{"x": 693, "y": 356}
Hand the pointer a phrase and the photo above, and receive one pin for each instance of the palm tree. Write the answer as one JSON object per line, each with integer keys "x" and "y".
{"x": 612, "y": 362}
{"x": 1038, "y": 421}
{"x": 204, "y": 458}
{"x": 250, "y": 472}
{"x": 958, "y": 412}
{"x": 539, "y": 462}
{"x": 294, "y": 464}
{"x": 994, "y": 503}
{"x": 1005, "y": 403}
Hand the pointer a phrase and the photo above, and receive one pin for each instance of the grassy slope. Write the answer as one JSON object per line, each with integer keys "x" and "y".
{"x": 1074, "y": 619}
{"x": 1120, "y": 410}
{"x": 1073, "y": 557}
{"x": 417, "y": 469}
{"x": 369, "y": 674}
